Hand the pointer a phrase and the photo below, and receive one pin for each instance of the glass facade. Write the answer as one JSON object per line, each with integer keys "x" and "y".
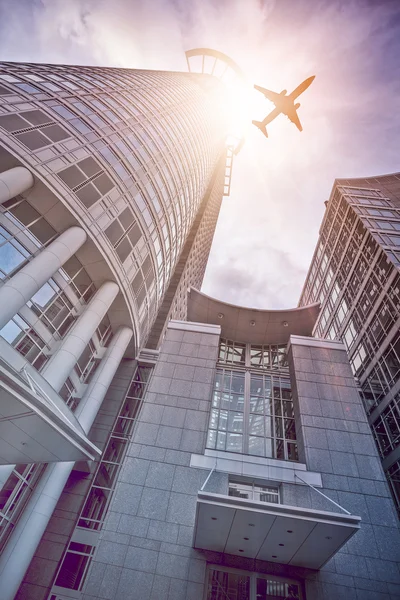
{"x": 137, "y": 159}
{"x": 252, "y": 408}
{"x": 132, "y": 161}
{"x": 355, "y": 275}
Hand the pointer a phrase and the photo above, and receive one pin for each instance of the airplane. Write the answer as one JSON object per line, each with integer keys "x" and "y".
{"x": 283, "y": 104}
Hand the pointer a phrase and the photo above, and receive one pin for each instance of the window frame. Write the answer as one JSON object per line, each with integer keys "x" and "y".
{"x": 253, "y": 576}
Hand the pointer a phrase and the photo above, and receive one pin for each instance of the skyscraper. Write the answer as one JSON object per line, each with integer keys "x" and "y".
{"x": 111, "y": 182}
{"x": 223, "y": 452}
{"x": 355, "y": 275}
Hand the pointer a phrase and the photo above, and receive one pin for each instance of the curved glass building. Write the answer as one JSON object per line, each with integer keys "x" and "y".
{"x": 111, "y": 182}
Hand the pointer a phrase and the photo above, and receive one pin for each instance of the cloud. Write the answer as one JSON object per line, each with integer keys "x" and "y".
{"x": 269, "y": 225}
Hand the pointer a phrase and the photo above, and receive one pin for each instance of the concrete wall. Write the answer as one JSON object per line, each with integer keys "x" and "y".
{"x": 335, "y": 439}
{"x": 146, "y": 546}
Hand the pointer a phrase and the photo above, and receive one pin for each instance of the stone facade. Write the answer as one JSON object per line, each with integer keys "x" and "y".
{"x": 146, "y": 546}
{"x": 335, "y": 440}
{"x": 146, "y": 549}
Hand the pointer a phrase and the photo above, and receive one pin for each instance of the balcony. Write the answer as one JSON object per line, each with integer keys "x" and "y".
{"x": 35, "y": 423}
{"x": 278, "y": 533}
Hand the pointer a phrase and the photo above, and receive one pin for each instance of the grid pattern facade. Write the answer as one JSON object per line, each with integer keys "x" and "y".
{"x": 355, "y": 275}
{"x": 131, "y": 157}
{"x": 131, "y": 152}
{"x": 252, "y": 408}
{"x": 50, "y": 313}
{"x": 196, "y": 263}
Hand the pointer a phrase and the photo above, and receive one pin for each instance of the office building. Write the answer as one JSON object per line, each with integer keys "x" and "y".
{"x": 111, "y": 182}
{"x": 223, "y": 452}
{"x": 252, "y": 471}
{"x": 355, "y": 275}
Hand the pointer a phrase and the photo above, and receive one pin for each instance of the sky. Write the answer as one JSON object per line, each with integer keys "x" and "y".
{"x": 268, "y": 226}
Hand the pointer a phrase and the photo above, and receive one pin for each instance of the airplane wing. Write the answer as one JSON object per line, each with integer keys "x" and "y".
{"x": 294, "y": 117}
{"x": 301, "y": 88}
{"x": 271, "y": 116}
{"x": 271, "y": 96}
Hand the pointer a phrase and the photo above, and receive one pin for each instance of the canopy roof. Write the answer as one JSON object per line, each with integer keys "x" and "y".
{"x": 252, "y": 325}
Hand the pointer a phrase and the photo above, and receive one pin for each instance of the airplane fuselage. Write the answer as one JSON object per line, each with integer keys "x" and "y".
{"x": 284, "y": 104}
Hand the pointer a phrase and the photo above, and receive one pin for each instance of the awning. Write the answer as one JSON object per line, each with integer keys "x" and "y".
{"x": 35, "y": 423}
{"x": 278, "y": 533}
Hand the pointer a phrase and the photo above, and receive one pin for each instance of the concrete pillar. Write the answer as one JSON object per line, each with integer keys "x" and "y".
{"x": 13, "y": 182}
{"x": 29, "y": 530}
{"x": 16, "y": 292}
{"x": 103, "y": 376}
{"x": 64, "y": 359}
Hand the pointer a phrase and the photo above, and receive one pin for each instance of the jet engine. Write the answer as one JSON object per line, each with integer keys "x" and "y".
{"x": 283, "y": 93}
{"x": 297, "y": 105}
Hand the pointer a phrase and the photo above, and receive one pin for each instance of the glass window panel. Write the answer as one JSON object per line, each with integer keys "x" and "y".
{"x": 256, "y": 356}
{"x": 287, "y": 409}
{"x": 290, "y": 431}
{"x": 259, "y": 405}
{"x": 234, "y": 442}
{"x": 278, "y": 407}
{"x": 279, "y": 428}
{"x": 277, "y": 590}
{"x": 228, "y": 586}
{"x": 257, "y": 425}
{"x": 235, "y": 421}
{"x": 241, "y": 490}
{"x": 256, "y": 446}
{"x": 216, "y": 399}
{"x": 280, "y": 449}
{"x": 221, "y": 440}
{"x": 267, "y": 387}
{"x": 292, "y": 451}
{"x": 223, "y": 420}
{"x": 238, "y": 384}
{"x": 10, "y": 258}
{"x": 10, "y": 332}
{"x": 256, "y": 386}
{"x": 226, "y": 384}
{"x": 214, "y": 419}
{"x": 44, "y": 295}
{"x": 265, "y": 494}
{"x": 211, "y": 438}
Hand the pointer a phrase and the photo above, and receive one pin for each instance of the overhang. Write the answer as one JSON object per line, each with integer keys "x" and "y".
{"x": 252, "y": 325}
{"x": 35, "y": 423}
{"x": 278, "y": 533}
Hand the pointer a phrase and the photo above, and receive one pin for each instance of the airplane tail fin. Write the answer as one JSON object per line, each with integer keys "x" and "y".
{"x": 261, "y": 127}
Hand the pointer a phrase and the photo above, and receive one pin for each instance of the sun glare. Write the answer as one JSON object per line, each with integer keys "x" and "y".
{"x": 241, "y": 104}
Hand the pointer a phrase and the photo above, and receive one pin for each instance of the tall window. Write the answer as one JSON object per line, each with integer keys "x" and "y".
{"x": 252, "y": 408}
{"x": 76, "y": 561}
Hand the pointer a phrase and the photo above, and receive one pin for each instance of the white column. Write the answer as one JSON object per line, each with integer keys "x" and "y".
{"x": 98, "y": 386}
{"x": 13, "y": 182}
{"x": 16, "y": 292}
{"x": 64, "y": 359}
{"x": 28, "y": 532}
